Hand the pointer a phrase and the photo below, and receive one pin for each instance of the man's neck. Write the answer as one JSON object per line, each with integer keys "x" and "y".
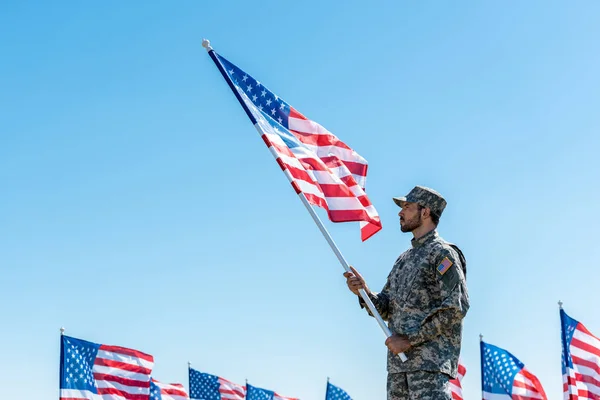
{"x": 422, "y": 230}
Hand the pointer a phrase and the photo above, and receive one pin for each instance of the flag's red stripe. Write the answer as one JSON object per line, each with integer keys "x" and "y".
{"x": 123, "y": 366}
{"x": 174, "y": 391}
{"x": 369, "y": 230}
{"x": 586, "y": 363}
{"x": 585, "y": 347}
{"x": 582, "y": 328}
{"x": 117, "y": 392}
{"x": 319, "y": 139}
{"x": 587, "y": 379}
{"x": 354, "y": 167}
{"x": 121, "y": 380}
{"x": 128, "y": 352}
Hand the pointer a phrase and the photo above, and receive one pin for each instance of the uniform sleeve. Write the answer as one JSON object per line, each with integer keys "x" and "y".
{"x": 455, "y": 300}
{"x": 381, "y": 301}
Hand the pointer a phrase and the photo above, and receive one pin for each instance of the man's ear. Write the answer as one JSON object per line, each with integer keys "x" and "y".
{"x": 425, "y": 212}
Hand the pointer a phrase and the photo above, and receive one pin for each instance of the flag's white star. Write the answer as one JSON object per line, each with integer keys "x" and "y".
{"x": 269, "y": 102}
{"x": 231, "y": 71}
{"x": 249, "y": 88}
{"x": 280, "y": 120}
{"x": 245, "y": 78}
{"x": 282, "y": 106}
{"x": 263, "y": 93}
{"x": 272, "y": 111}
{"x": 254, "y": 97}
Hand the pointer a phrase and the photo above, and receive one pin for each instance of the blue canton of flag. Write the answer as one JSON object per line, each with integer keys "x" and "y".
{"x": 335, "y": 393}
{"x": 505, "y": 377}
{"x": 255, "y": 393}
{"x": 205, "y": 386}
{"x": 92, "y": 371}
{"x": 77, "y": 364}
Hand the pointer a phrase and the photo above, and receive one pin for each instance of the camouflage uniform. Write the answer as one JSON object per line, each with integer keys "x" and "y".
{"x": 425, "y": 298}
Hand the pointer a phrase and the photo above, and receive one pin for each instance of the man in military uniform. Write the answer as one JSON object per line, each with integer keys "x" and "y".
{"x": 424, "y": 301}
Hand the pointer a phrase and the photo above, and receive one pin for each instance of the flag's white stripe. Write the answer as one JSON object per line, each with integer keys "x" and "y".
{"x": 79, "y": 394}
{"x": 101, "y": 384}
{"x": 586, "y": 371}
{"x": 517, "y": 391}
{"x": 524, "y": 391}
{"x": 306, "y": 126}
{"x": 174, "y": 397}
{"x": 588, "y": 339}
{"x": 336, "y": 203}
{"x": 169, "y": 385}
{"x": 111, "y": 355}
{"x": 86, "y": 394}
{"x": 495, "y": 396}
{"x": 309, "y": 188}
{"x": 232, "y": 396}
{"x": 573, "y": 389}
{"x": 120, "y": 372}
{"x": 592, "y": 358}
{"x": 456, "y": 389}
{"x": 312, "y": 127}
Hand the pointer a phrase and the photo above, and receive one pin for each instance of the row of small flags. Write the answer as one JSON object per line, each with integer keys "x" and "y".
{"x": 97, "y": 371}
{"x": 90, "y": 371}
{"x": 504, "y": 376}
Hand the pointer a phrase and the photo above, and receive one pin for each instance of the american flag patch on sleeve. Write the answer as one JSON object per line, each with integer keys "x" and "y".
{"x": 444, "y": 266}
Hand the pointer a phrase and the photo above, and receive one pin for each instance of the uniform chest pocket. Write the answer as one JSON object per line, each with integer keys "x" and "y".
{"x": 416, "y": 278}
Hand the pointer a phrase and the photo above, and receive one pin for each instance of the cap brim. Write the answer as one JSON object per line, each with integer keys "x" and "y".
{"x": 399, "y": 201}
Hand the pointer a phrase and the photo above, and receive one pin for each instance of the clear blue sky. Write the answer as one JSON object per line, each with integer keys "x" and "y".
{"x": 140, "y": 208}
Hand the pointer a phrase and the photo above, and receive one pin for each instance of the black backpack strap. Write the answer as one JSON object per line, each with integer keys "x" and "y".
{"x": 463, "y": 260}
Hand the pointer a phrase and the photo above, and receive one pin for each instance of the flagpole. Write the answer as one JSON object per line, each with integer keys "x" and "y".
{"x": 481, "y": 360}
{"x": 344, "y": 263}
{"x": 60, "y": 372}
{"x": 311, "y": 211}
{"x": 326, "y": 388}
{"x": 189, "y": 378}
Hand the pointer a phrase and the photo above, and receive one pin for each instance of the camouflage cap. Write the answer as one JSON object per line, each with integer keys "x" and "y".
{"x": 426, "y": 197}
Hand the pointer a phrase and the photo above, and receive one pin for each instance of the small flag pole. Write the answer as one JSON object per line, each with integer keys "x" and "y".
{"x": 311, "y": 211}
{"x": 189, "y": 378}
{"x": 481, "y": 360}
{"x": 60, "y": 373}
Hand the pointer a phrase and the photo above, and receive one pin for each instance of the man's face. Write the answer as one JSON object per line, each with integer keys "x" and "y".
{"x": 410, "y": 217}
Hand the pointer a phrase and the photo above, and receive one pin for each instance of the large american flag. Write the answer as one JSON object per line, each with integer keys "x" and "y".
{"x": 255, "y": 393}
{"x": 456, "y": 384}
{"x": 205, "y": 386}
{"x": 167, "y": 391}
{"x": 580, "y": 360}
{"x": 336, "y": 393}
{"x": 320, "y": 166}
{"x": 98, "y": 371}
{"x": 505, "y": 377}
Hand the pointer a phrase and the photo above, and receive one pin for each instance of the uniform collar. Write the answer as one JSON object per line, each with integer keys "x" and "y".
{"x": 426, "y": 238}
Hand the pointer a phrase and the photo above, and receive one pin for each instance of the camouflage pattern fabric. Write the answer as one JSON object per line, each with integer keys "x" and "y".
{"x": 419, "y": 385}
{"x": 425, "y": 298}
{"x": 424, "y": 196}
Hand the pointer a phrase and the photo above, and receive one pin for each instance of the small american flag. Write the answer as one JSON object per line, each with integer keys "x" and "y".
{"x": 255, "y": 393}
{"x": 580, "y": 360}
{"x": 97, "y": 371}
{"x": 205, "y": 386}
{"x": 505, "y": 377}
{"x": 336, "y": 393}
{"x": 456, "y": 384}
{"x": 327, "y": 171}
{"x": 167, "y": 391}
